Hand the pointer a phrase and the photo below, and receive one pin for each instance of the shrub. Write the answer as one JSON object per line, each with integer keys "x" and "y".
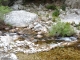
{"x": 4, "y": 10}
{"x": 63, "y": 7}
{"x": 61, "y": 29}
{"x": 56, "y": 13}
{"x": 56, "y": 19}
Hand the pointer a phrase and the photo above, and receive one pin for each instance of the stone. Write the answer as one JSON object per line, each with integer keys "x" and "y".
{"x": 20, "y": 18}
{"x": 0, "y": 33}
{"x": 66, "y": 39}
{"x": 73, "y": 3}
{"x": 17, "y": 7}
{"x": 6, "y": 58}
{"x": 70, "y": 16}
{"x": 39, "y": 36}
{"x": 12, "y": 56}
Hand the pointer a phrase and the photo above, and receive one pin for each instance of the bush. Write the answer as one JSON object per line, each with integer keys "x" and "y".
{"x": 61, "y": 29}
{"x": 56, "y": 13}
{"x": 4, "y": 10}
{"x": 56, "y": 19}
{"x": 63, "y": 7}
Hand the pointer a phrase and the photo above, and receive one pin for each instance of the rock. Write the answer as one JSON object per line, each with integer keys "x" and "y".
{"x": 13, "y": 30}
{"x": 39, "y": 36}
{"x": 17, "y": 7}
{"x": 73, "y": 3}
{"x": 20, "y": 18}
{"x": 38, "y": 27}
{"x": 12, "y": 56}
{"x": 6, "y": 58}
{"x": 0, "y": 33}
{"x": 66, "y": 39}
{"x": 39, "y": 33}
{"x": 71, "y": 15}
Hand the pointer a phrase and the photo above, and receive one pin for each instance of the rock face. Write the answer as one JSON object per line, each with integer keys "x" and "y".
{"x": 73, "y": 3}
{"x": 20, "y": 18}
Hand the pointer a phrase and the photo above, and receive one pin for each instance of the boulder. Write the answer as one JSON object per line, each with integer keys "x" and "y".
{"x": 70, "y": 16}
{"x": 73, "y": 3}
{"x": 20, "y": 18}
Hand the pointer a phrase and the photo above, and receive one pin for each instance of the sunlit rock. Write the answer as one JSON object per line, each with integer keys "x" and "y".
{"x": 69, "y": 39}
{"x": 11, "y": 56}
{"x": 20, "y": 18}
{"x": 71, "y": 15}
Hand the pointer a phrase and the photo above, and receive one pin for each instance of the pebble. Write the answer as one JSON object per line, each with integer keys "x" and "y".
{"x": 39, "y": 36}
{"x": 7, "y": 28}
{"x": 39, "y": 33}
{"x": 13, "y": 30}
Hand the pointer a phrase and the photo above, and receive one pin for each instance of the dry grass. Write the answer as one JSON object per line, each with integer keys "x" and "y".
{"x": 68, "y": 53}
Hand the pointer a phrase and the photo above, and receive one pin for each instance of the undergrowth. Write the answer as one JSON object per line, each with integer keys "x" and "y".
{"x": 61, "y": 29}
{"x": 4, "y": 10}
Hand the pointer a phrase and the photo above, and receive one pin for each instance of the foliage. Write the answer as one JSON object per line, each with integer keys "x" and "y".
{"x": 63, "y": 7}
{"x": 4, "y": 2}
{"x": 56, "y": 19}
{"x": 61, "y": 29}
{"x": 56, "y": 13}
{"x": 51, "y": 6}
{"x": 4, "y": 10}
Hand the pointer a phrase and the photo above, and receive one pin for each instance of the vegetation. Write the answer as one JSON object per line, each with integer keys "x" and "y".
{"x": 61, "y": 29}
{"x": 3, "y": 11}
{"x": 4, "y": 2}
{"x": 55, "y": 13}
{"x": 63, "y": 7}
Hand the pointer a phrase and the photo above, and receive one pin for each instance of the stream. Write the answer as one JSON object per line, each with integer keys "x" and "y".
{"x": 31, "y": 42}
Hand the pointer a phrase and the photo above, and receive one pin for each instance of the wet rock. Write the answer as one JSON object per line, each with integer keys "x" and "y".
{"x": 22, "y": 17}
{"x": 66, "y": 39}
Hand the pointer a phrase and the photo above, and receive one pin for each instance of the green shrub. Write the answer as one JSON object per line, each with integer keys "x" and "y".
{"x": 56, "y": 19}
{"x": 3, "y": 11}
{"x": 61, "y": 29}
{"x": 56, "y": 13}
{"x": 63, "y": 7}
{"x": 51, "y": 6}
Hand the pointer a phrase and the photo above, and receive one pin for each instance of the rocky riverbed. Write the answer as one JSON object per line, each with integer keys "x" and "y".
{"x": 27, "y": 32}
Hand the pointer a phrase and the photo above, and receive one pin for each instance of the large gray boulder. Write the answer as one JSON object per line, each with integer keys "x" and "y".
{"x": 73, "y": 3}
{"x": 20, "y": 18}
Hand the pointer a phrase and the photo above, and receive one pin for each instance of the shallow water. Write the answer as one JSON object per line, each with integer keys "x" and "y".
{"x": 59, "y": 53}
